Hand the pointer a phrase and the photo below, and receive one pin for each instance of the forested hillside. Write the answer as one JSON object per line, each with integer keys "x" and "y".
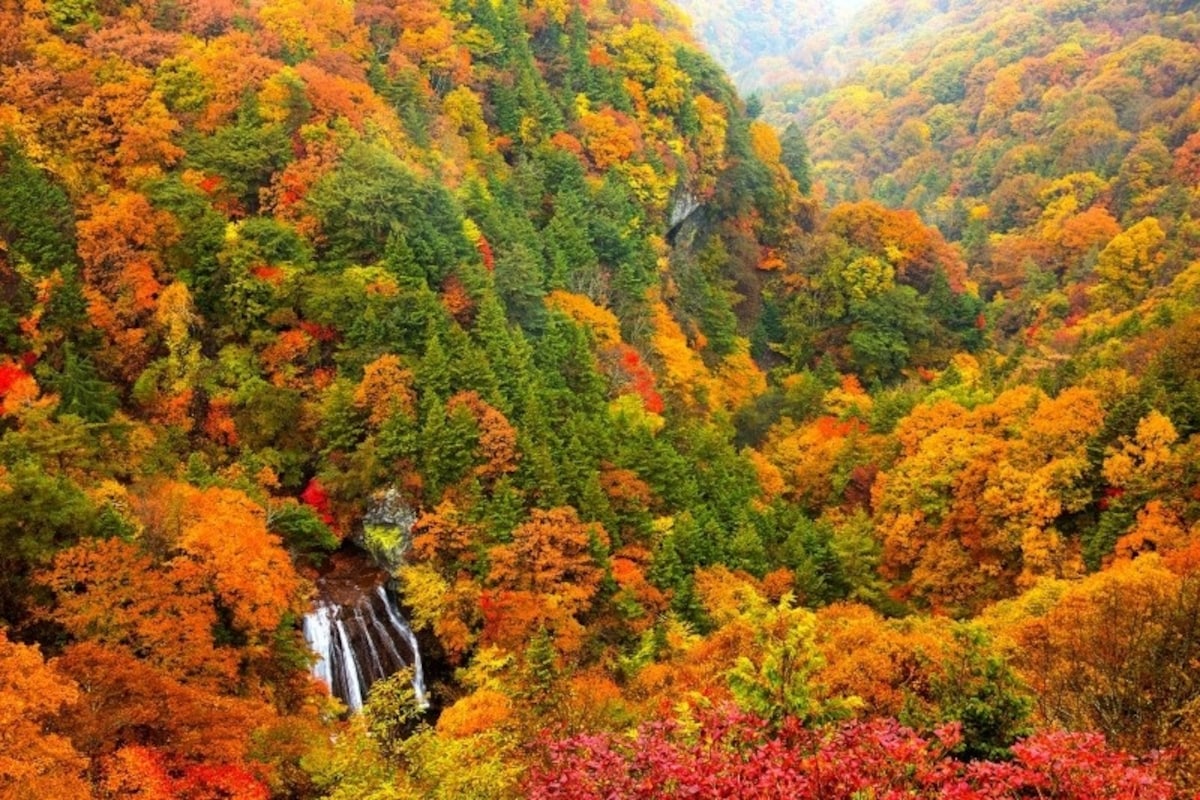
{"x": 700, "y": 466}
{"x": 1055, "y": 145}
{"x": 770, "y": 43}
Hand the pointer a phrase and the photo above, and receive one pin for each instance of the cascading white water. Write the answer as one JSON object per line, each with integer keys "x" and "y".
{"x": 358, "y": 644}
{"x": 318, "y": 631}
{"x": 349, "y": 666}
{"x": 411, "y": 639}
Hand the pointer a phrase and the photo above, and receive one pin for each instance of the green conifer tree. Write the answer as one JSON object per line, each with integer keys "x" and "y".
{"x": 81, "y": 391}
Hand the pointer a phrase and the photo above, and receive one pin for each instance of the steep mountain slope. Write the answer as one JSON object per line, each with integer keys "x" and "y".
{"x": 261, "y": 262}
{"x": 653, "y": 441}
{"x": 1057, "y": 143}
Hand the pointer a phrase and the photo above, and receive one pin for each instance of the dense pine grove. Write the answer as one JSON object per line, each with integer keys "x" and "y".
{"x": 841, "y": 442}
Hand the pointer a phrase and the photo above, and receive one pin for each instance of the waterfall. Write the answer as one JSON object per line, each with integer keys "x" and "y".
{"x": 360, "y": 642}
{"x": 349, "y": 672}
{"x": 411, "y": 639}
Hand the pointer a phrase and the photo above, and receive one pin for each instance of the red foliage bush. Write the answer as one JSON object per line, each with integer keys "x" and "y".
{"x": 732, "y": 754}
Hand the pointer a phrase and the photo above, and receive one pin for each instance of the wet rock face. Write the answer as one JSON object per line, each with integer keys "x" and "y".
{"x": 686, "y": 219}
{"x": 358, "y": 632}
{"x": 387, "y": 528}
{"x": 347, "y": 576}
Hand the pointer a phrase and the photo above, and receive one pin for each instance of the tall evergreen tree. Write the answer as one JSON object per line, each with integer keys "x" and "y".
{"x": 81, "y": 391}
{"x": 795, "y": 157}
{"x": 36, "y": 219}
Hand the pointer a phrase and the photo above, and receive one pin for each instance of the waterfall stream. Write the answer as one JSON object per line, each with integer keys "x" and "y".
{"x": 359, "y": 634}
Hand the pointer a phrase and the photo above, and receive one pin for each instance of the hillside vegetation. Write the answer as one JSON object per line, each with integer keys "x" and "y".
{"x": 735, "y": 471}
{"x": 771, "y": 43}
